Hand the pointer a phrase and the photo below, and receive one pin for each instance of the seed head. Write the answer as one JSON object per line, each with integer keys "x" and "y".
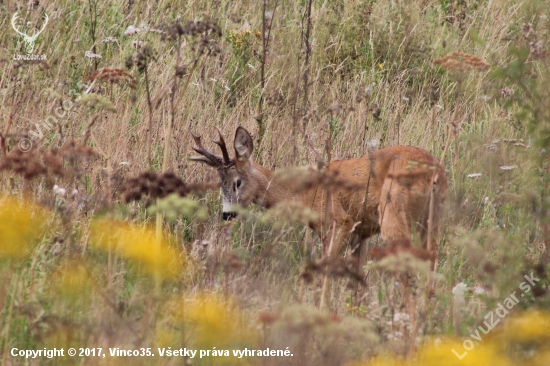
{"x": 462, "y": 62}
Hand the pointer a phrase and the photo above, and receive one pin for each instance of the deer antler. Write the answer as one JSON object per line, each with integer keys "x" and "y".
{"x": 223, "y": 147}
{"x": 13, "y": 20}
{"x": 46, "y": 18}
{"x": 213, "y": 159}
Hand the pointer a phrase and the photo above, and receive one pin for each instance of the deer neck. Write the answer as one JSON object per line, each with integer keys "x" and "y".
{"x": 270, "y": 191}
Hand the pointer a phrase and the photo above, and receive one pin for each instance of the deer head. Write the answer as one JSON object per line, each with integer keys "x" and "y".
{"x": 239, "y": 184}
{"x": 29, "y": 40}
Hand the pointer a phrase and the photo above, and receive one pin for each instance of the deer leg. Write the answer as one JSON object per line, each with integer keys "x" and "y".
{"x": 430, "y": 223}
{"x": 392, "y": 213}
{"x": 335, "y": 243}
{"x": 400, "y": 210}
{"x": 326, "y": 255}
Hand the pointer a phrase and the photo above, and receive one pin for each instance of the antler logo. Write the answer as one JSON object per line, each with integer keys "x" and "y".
{"x": 29, "y": 40}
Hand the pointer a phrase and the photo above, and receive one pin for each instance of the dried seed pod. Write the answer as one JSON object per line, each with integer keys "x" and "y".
{"x": 113, "y": 75}
{"x": 462, "y": 62}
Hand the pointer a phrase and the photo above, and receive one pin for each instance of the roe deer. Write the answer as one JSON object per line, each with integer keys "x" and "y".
{"x": 394, "y": 191}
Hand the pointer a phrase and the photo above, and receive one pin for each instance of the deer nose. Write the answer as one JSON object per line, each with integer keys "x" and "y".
{"x": 228, "y": 215}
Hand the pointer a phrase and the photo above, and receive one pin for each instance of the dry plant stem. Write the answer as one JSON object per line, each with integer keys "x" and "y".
{"x": 307, "y": 45}
{"x": 545, "y": 225}
{"x": 295, "y": 119}
{"x": 305, "y": 76}
{"x": 150, "y": 127}
{"x": 363, "y": 216}
{"x": 295, "y": 123}
{"x": 89, "y": 128}
{"x": 13, "y": 111}
{"x": 110, "y": 173}
{"x": 4, "y": 136}
{"x": 60, "y": 128}
{"x": 430, "y": 309}
{"x": 398, "y": 126}
{"x": 92, "y": 6}
{"x": 412, "y": 306}
{"x": 301, "y": 291}
{"x": 433, "y": 129}
{"x": 305, "y": 245}
{"x": 431, "y": 213}
{"x": 447, "y": 144}
{"x": 158, "y": 227}
{"x": 110, "y": 271}
{"x": 450, "y": 292}
{"x": 265, "y": 41}
{"x": 545, "y": 254}
{"x": 457, "y": 153}
{"x": 328, "y": 146}
{"x": 158, "y": 224}
{"x": 266, "y": 35}
{"x": 431, "y": 286}
{"x": 7, "y": 324}
{"x": 172, "y": 109}
{"x": 173, "y": 113}
{"x": 453, "y": 129}
{"x": 325, "y": 290}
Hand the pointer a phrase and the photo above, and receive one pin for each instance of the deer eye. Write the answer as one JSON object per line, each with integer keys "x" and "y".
{"x": 237, "y": 185}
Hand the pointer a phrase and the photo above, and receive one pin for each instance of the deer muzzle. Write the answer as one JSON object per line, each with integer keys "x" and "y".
{"x": 228, "y": 215}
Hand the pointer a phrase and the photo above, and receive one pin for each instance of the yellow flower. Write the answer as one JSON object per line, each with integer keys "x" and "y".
{"x": 381, "y": 361}
{"x": 216, "y": 322}
{"x": 138, "y": 245}
{"x": 482, "y": 354}
{"x": 380, "y": 66}
{"x": 529, "y": 326}
{"x": 21, "y": 225}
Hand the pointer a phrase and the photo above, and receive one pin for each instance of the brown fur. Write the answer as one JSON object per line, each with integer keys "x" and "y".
{"x": 397, "y": 200}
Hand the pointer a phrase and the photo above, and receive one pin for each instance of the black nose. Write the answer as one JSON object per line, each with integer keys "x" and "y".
{"x": 228, "y": 215}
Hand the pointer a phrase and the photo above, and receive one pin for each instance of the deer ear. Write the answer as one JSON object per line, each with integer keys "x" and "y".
{"x": 243, "y": 144}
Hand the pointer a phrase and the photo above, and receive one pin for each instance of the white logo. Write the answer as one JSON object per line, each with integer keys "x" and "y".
{"x": 29, "y": 40}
